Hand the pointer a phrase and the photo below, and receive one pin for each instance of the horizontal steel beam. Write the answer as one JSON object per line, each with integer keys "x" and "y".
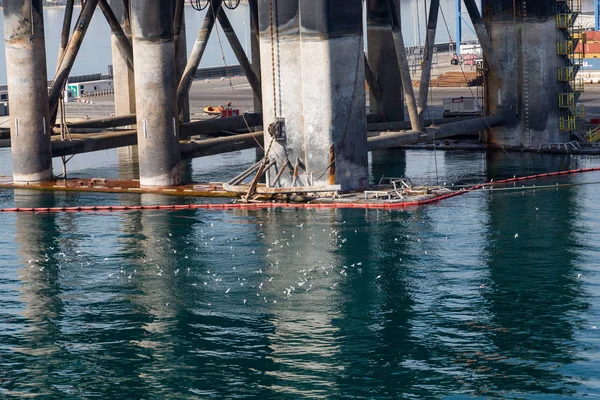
{"x": 191, "y": 149}
{"x": 387, "y": 140}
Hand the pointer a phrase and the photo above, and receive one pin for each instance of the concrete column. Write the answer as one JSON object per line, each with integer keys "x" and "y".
{"x": 318, "y": 91}
{"x": 384, "y": 63}
{"x": 525, "y": 45}
{"x": 27, "y": 90}
{"x": 255, "y": 47}
{"x": 155, "y": 83}
{"x": 123, "y": 74}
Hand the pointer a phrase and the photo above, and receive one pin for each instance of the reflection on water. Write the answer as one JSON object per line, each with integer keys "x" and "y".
{"x": 444, "y": 300}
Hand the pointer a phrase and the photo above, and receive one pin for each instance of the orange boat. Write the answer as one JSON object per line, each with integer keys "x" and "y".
{"x": 210, "y": 110}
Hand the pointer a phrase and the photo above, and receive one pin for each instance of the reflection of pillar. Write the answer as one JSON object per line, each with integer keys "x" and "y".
{"x": 524, "y": 41}
{"x": 383, "y": 62}
{"x": 129, "y": 167}
{"x": 123, "y": 74}
{"x": 390, "y": 163}
{"x": 155, "y": 82}
{"x": 27, "y": 90}
{"x": 534, "y": 296}
{"x": 382, "y": 289}
{"x": 39, "y": 274}
{"x": 302, "y": 255}
{"x": 317, "y": 92}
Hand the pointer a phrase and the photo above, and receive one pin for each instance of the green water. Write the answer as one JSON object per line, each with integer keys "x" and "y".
{"x": 487, "y": 295}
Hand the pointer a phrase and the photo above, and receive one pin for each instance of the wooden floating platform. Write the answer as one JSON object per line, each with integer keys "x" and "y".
{"x": 100, "y": 185}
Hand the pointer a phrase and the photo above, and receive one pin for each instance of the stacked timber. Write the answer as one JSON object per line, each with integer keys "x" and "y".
{"x": 455, "y": 79}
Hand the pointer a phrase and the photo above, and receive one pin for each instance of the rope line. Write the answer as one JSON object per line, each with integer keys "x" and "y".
{"x": 273, "y": 205}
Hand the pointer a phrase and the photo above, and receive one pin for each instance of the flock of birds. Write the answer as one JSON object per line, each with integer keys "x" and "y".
{"x": 260, "y": 264}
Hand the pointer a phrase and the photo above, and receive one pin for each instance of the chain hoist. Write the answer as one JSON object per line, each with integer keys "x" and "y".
{"x": 200, "y": 5}
{"x": 277, "y": 128}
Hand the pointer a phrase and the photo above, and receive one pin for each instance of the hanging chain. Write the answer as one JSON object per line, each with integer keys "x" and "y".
{"x": 271, "y": 12}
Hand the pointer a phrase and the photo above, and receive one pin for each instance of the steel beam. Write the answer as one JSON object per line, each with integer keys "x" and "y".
{"x": 376, "y": 141}
{"x": 240, "y": 54}
{"x": 117, "y": 31}
{"x": 484, "y": 40}
{"x": 66, "y": 30}
{"x": 254, "y": 48}
{"x": 387, "y": 140}
{"x": 427, "y": 62}
{"x": 62, "y": 72}
{"x": 458, "y": 19}
{"x": 197, "y": 52}
{"x": 409, "y": 93}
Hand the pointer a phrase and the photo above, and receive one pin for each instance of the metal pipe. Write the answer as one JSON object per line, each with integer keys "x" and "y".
{"x": 382, "y": 140}
{"x": 372, "y": 81}
{"x": 409, "y": 93}
{"x": 66, "y": 29}
{"x": 62, "y": 72}
{"x": 220, "y": 145}
{"x": 255, "y": 47}
{"x": 117, "y": 31}
{"x": 458, "y": 15}
{"x": 427, "y": 62}
{"x": 177, "y": 23}
{"x": 197, "y": 51}
{"x": 238, "y": 50}
{"x": 484, "y": 40}
{"x": 387, "y": 140}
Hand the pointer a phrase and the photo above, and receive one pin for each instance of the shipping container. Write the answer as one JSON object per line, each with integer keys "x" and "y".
{"x": 461, "y": 106}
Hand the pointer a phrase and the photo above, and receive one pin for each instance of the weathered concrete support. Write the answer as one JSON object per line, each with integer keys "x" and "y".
{"x": 409, "y": 93}
{"x": 123, "y": 72}
{"x": 197, "y": 52}
{"x": 323, "y": 112}
{"x": 69, "y": 55}
{"x": 157, "y": 128}
{"x": 384, "y": 63}
{"x": 27, "y": 90}
{"x": 526, "y": 49}
{"x": 238, "y": 50}
{"x": 427, "y": 62}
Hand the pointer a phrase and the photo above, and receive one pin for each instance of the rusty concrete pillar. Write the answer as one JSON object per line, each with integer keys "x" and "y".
{"x": 524, "y": 39}
{"x": 123, "y": 74}
{"x": 155, "y": 83}
{"x": 27, "y": 90}
{"x": 383, "y": 62}
{"x": 313, "y": 92}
